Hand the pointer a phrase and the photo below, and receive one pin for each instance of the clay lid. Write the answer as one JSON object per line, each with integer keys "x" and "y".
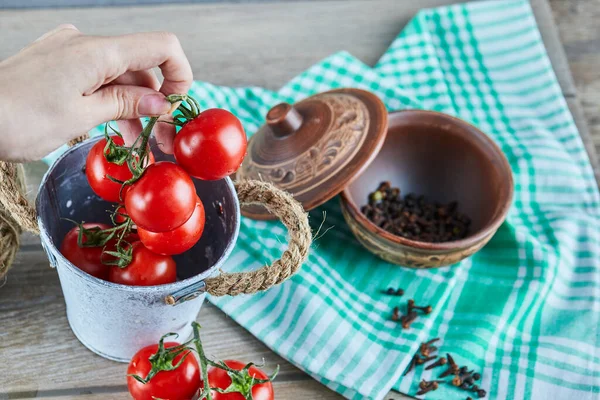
{"x": 315, "y": 147}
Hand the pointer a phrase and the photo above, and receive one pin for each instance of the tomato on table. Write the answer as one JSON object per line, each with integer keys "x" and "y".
{"x": 180, "y": 239}
{"x": 145, "y": 269}
{"x": 87, "y": 259}
{"x": 219, "y": 378}
{"x": 97, "y": 168}
{"x": 163, "y": 199}
{"x": 212, "y": 145}
{"x": 178, "y": 384}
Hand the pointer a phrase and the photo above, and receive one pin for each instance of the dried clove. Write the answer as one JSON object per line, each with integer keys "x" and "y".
{"x": 431, "y": 341}
{"x": 423, "y": 384}
{"x": 426, "y": 350}
{"x": 396, "y": 314}
{"x": 476, "y": 376}
{"x": 452, "y": 367}
{"x": 408, "y": 319}
{"x": 463, "y": 377}
{"x": 441, "y": 361}
{"x": 421, "y": 361}
{"x": 433, "y": 386}
{"x": 412, "y": 306}
{"x": 469, "y": 378}
{"x": 451, "y": 361}
{"x": 412, "y": 364}
{"x": 481, "y": 393}
{"x": 457, "y": 381}
{"x": 394, "y": 292}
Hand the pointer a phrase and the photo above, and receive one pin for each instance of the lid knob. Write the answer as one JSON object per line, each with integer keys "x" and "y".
{"x": 284, "y": 119}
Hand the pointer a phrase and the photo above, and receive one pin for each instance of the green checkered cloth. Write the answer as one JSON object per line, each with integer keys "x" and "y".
{"x": 524, "y": 310}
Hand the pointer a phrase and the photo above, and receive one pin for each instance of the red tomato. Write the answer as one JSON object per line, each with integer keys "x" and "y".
{"x": 120, "y": 216}
{"x": 178, "y": 240}
{"x": 132, "y": 237}
{"x": 87, "y": 259}
{"x": 146, "y": 269}
{"x": 179, "y": 384}
{"x": 163, "y": 199}
{"x": 212, "y": 145}
{"x": 219, "y": 378}
{"x": 97, "y": 167}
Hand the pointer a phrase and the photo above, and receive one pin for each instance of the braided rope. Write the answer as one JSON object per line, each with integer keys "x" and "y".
{"x": 10, "y": 231}
{"x": 13, "y": 200}
{"x": 295, "y": 219}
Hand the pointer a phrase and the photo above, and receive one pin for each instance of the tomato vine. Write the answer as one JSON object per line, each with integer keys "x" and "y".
{"x": 136, "y": 157}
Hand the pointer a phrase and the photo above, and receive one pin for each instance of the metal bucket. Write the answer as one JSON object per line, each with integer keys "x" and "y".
{"x": 115, "y": 320}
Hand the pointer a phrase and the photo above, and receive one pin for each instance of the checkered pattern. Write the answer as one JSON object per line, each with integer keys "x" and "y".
{"x": 524, "y": 310}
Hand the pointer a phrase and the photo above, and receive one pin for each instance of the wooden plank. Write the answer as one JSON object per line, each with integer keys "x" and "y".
{"x": 106, "y": 3}
{"x": 262, "y": 44}
{"x": 578, "y": 29}
{"x": 31, "y": 304}
{"x": 554, "y": 48}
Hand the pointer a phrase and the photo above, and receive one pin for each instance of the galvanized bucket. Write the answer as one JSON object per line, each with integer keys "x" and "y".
{"x": 115, "y": 320}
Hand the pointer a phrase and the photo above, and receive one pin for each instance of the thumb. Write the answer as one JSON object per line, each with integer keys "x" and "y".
{"x": 115, "y": 102}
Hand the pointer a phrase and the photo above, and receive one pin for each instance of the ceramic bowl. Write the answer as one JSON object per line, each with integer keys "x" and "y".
{"x": 445, "y": 159}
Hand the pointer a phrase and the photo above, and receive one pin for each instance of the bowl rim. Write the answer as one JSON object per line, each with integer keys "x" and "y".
{"x": 488, "y": 229}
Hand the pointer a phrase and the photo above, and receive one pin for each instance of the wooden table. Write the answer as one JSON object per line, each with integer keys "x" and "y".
{"x": 262, "y": 44}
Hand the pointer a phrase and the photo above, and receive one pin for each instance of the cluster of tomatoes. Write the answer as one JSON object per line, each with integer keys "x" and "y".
{"x": 158, "y": 212}
{"x": 169, "y": 370}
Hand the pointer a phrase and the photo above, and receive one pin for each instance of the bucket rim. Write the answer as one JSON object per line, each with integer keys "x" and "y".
{"x": 170, "y": 287}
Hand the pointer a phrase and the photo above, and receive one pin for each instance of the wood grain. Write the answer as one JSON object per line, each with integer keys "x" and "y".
{"x": 579, "y": 30}
{"x": 230, "y": 44}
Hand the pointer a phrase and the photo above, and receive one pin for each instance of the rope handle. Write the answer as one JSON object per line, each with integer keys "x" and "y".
{"x": 295, "y": 219}
{"x": 250, "y": 192}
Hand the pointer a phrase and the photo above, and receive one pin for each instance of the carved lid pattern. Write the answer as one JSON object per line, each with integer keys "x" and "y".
{"x": 313, "y": 148}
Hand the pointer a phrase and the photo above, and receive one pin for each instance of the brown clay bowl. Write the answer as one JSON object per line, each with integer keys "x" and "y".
{"x": 445, "y": 159}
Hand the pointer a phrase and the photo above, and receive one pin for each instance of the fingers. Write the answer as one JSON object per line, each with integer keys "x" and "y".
{"x": 142, "y": 51}
{"x": 165, "y": 134}
{"x": 131, "y": 128}
{"x": 136, "y": 55}
{"x": 116, "y": 102}
{"x": 146, "y": 78}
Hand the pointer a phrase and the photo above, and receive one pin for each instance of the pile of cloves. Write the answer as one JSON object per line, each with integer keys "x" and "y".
{"x": 462, "y": 378}
{"x": 414, "y": 217}
{"x": 424, "y": 355}
{"x": 411, "y": 314}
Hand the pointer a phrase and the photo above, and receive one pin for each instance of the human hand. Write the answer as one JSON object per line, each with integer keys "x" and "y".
{"x": 66, "y": 83}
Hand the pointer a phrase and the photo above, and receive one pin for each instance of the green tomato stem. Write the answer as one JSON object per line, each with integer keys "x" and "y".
{"x": 206, "y": 392}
